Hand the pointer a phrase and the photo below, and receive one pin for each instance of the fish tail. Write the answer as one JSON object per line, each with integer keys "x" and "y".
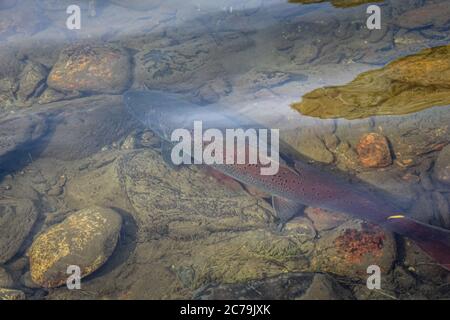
{"x": 434, "y": 241}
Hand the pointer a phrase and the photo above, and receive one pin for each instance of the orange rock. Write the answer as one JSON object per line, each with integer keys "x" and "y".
{"x": 354, "y": 244}
{"x": 100, "y": 69}
{"x": 373, "y": 151}
{"x": 352, "y": 247}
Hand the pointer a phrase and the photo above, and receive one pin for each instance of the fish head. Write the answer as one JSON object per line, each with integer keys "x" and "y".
{"x": 159, "y": 111}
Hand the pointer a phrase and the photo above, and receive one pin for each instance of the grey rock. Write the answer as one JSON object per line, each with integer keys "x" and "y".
{"x": 182, "y": 67}
{"x": 324, "y": 287}
{"x": 442, "y": 166}
{"x": 255, "y": 80}
{"x": 298, "y": 286}
{"x": 20, "y": 132}
{"x": 423, "y": 209}
{"x": 404, "y": 280}
{"x": 33, "y": 75}
{"x": 6, "y": 280}
{"x": 287, "y": 286}
{"x": 83, "y": 126}
{"x": 399, "y": 191}
{"x": 17, "y": 217}
{"x": 442, "y": 209}
{"x": 28, "y": 282}
{"x": 51, "y": 95}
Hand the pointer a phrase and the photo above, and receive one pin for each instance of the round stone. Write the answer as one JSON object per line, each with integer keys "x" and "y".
{"x": 85, "y": 239}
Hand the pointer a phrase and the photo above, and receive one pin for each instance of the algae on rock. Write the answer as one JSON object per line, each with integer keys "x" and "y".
{"x": 407, "y": 85}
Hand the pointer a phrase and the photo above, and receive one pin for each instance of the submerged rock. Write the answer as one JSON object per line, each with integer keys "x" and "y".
{"x": 352, "y": 247}
{"x": 441, "y": 169}
{"x": 96, "y": 68}
{"x": 420, "y": 264}
{"x": 11, "y": 294}
{"x": 324, "y": 287}
{"x": 33, "y": 76}
{"x": 186, "y": 66}
{"x": 432, "y": 14}
{"x": 290, "y": 286}
{"x": 373, "y": 151}
{"x": 51, "y": 95}
{"x": 10, "y": 70}
{"x": 325, "y": 220}
{"x": 81, "y": 127}
{"x": 17, "y": 217}
{"x": 86, "y": 238}
{"x": 255, "y": 80}
{"x": 6, "y": 280}
{"x": 407, "y": 85}
{"x": 20, "y": 132}
{"x": 309, "y": 143}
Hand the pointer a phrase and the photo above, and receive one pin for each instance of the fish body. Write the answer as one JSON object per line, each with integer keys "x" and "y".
{"x": 290, "y": 188}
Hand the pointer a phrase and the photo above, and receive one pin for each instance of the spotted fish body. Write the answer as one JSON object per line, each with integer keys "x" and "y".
{"x": 307, "y": 184}
{"x": 310, "y": 186}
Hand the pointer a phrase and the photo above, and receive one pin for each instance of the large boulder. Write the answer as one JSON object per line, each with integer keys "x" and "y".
{"x": 86, "y": 239}
{"x": 351, "y": 248}
{"x": 86, "y": 68}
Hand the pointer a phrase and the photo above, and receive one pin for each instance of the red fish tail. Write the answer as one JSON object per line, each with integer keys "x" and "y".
{"x": 434, "y": 241}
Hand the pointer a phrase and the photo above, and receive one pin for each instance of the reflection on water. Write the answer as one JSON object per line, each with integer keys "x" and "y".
{"x": 71, "y": 156}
